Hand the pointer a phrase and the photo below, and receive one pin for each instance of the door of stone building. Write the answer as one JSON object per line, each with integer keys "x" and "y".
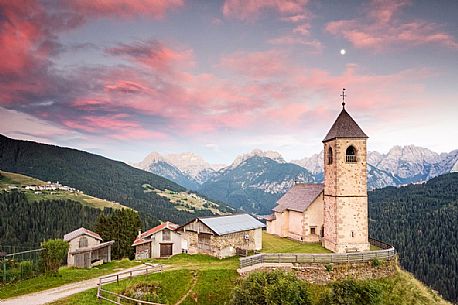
{"x": 166, "y": 250}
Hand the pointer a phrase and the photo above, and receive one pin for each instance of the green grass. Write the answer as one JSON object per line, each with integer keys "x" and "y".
{"x": 213, "y": 287}
{"x": 66, "y": 276}
{"x": 17, "y": 180}
{"x": 275, "y": 244}
{"x": 198, "y": 262}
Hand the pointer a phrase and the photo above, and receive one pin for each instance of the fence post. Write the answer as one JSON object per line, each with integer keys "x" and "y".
{"x": 4, "y": 270}
{"x": 117, "y": 278}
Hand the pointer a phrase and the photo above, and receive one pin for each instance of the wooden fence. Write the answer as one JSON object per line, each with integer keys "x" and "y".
{"x": 387, "y": 252}
{"x": 18, "y": 266}
{"x": 116, "y": 298}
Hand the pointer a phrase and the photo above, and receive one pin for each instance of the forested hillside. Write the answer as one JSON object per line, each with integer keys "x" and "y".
{"x": 95, "y": 175}
{"x": 421, "y": 222}
{"x": 26, "y": 224}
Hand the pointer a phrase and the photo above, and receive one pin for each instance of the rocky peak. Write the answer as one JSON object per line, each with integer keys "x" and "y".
{"x": 151, "y": 158}
{"x": 258, "y": 153}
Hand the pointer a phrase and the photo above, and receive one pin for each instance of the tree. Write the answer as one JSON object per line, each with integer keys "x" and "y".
{"x": 276, "y": 287}
{"x": 53, "y": 254}
{"x": 121, "y": 226}
{"x": 351, "y": 292}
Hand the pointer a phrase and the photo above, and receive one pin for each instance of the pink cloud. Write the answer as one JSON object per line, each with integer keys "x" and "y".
{"x": 124, "y": 8}
{"x": 379, "y": 29}
{"x": 155, "y": 55}
{"x": 117, "y": 126}
{"x": 251, "y": 9}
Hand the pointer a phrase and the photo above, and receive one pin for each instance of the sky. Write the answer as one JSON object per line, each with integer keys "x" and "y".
{"x": 220, "y": 78}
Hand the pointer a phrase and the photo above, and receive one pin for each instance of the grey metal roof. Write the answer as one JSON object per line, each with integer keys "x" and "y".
{"x": 299, "y": 197}
{"x": 233, "y": 223}
{"x": 345, "y": 127}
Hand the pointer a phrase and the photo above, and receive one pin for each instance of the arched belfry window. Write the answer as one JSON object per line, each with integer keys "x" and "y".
{"x": 350, "y": 154}
{"x": 329, "y": 156}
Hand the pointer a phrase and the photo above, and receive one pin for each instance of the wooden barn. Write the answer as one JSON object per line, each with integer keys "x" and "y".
{"x": 160, "y": 241}
{"x": 222, "y": 236}
{"x": 87, "y": 249}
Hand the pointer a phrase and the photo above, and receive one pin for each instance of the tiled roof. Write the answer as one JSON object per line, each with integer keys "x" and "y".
{"x": 222, "y": 225}
{"x": 345, "y": 127}
{"x": 141, "y": 238}
{"x": 299, "y": 197}
{"x": 79, "y": 232}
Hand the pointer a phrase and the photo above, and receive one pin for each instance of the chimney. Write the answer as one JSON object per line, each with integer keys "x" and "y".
{"x": 139, "y": 232}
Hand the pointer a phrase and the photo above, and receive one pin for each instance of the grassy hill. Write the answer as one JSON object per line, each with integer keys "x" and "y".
{"x": 10, "y": 180}
{"x": 201, "y": 279}
{"x": 95, "y": 175}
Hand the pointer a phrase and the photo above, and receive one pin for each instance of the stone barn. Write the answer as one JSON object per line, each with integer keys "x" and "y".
{"x": 87, "y": 249}
{"x": 160, "y": 241}
{"x": 222, "y": 236}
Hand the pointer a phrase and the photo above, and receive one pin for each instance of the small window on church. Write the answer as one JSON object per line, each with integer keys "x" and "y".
{"x": 350, "y": 154}
{"x": 352, "y": 234}
{"x": 330, "y": 156}
{"x": 312, "y": 231}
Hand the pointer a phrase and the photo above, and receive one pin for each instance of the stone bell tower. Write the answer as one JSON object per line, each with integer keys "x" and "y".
{"x": 345, "y": 186}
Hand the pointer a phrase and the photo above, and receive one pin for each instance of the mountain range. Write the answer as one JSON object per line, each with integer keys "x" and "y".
{"x": 254, "y": 181}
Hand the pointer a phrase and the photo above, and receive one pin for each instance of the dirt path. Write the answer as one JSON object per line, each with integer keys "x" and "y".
{"x": 194, "y": 282}
{"x": 53, "y": 294}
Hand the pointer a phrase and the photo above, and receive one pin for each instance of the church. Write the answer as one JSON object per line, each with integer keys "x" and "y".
{"x": 335, "y": 212}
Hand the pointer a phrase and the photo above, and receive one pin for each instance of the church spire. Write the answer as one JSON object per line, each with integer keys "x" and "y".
{"x": 344, "y": 126}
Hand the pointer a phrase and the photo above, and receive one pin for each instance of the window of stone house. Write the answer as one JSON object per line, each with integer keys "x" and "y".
{"x": 350, "y": 154}
{"x": 204, "y": 238}
{"x": 352, "y": 234}
{"x": 83, "y": 242}
{"x": 313, "y": 230}
{"x": 166, "y": 235}
{"x": 329, "y": 156}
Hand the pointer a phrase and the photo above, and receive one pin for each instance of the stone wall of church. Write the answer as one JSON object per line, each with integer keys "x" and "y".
{"x": 345, "y": 208}
{"x": 313, "y": 218}
{"x": 351, "y": 179}
{"x": 352, "y": 224}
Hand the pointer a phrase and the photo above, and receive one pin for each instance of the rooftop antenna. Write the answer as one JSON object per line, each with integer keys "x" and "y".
{"x": 343, "y": 98}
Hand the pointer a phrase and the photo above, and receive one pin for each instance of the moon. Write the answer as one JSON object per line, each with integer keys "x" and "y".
{"x": 343, "y": 52}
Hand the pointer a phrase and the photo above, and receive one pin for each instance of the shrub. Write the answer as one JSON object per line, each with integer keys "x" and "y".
{"x": 150, "y": 292}
{"x": 53, "y": 255}
{"x": 376, "y": 262}
{"x": 329, "y": 267}
{"x": 351, "y": 292}
{"x": 26, "y": 268}
{"x": 274, "y": 287}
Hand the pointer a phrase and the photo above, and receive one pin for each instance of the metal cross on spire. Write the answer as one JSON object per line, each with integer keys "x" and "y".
{"x": 343, "y": 97}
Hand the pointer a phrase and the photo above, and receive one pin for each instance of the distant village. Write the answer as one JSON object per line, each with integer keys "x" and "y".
{"x": 49, "y": 186}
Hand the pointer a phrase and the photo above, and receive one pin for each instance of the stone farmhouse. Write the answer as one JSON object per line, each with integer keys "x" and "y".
{"x": 335, "y": 212}
{"x": 87, "y": 249}
{"x": 160, "y": 241}
{"x": 222, "y": 236}
{"x": 219, "y": 236}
